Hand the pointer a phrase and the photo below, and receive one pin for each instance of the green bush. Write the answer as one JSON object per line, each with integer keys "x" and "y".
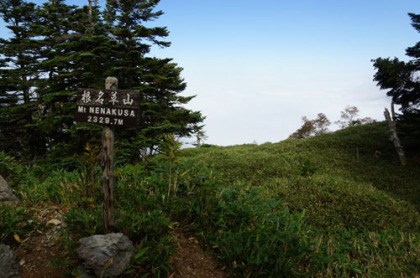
{"x": 143, "y": 214}
{"x": 361, "y": 207}
{"x": 336, "y": 202}
{"x": 149, "y": 230}
{"x": 255, "y": 236}
{"x": 318, "y": 207}
{"x": 84, "y": 222}
{"x": 8, "y": 165}
{"x": 59, "y": 187}
{"x": 348, "y": 253}
{"x": 13, "y": 220}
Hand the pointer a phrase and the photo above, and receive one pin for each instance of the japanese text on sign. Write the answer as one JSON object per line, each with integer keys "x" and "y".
{"x": 108, "y": 107}
{"x": 120, "y": 98}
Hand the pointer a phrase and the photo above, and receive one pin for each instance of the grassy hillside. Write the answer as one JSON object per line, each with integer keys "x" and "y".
{"x": 336, "y": 205}
{"x": 358, "y": 162}
{"x": 351, "y": 187}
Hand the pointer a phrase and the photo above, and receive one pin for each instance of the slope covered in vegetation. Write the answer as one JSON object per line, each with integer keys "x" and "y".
{"x": 337, "y": 204}
{"x": 358, "y": 203}
{"x": 361, "y": 155}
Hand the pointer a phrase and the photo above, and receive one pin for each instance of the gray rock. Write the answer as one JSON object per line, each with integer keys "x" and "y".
{"x": 107, "y": 255}
{"x": 6, "y": 194}
{"x": 9, "y": 264}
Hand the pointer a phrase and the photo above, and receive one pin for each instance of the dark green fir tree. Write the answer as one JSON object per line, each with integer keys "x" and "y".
{"x": 18, "y": 74}
{"x": 55, "y": 48}
{"x": 401, "y": 79}
{"x": 159, "y": 80}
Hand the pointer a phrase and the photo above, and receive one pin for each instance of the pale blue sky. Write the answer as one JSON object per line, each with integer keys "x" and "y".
{"x": 257, "y": 67}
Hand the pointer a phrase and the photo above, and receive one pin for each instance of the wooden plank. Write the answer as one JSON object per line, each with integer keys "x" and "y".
{"x": 108, "y": 107}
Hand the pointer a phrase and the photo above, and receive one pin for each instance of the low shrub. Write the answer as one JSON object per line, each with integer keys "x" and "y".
{"x": 317, "y": 207}
{"x": 59, "y": 187}
{"x": 84, "y": 222}
{"x": 332, "y": 201}
{"x": 8, "y": 165}
{"x": 254, "y": 236}
{"x": 349, "y": 253}
{"x": 14, "y": 220}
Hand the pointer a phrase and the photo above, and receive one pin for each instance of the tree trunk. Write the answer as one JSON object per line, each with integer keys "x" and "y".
{"x": 393, "y": 110}
{"x": 394, "y": 138}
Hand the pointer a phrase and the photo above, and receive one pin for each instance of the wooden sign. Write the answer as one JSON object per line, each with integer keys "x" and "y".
{"x": 108, "y": 107}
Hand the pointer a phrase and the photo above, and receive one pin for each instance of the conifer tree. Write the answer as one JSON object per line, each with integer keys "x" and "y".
{"x": 56, "y": 26}
{"x": 17, "y": 79}
{"x": 56, "y": 48}
{"x": 159, "y": 80}
{"x": 402, "y": 82}
{"x": 126, "y": 19}
{"x": 75, "y": 50}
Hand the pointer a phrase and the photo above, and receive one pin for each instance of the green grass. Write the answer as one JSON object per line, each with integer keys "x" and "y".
{"x": 329, "y": 157}
{"x": 335, "y": 205}
{"x": 360, "y": 204}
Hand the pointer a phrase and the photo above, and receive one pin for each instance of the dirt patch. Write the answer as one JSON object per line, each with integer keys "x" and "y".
{"x": 36, "y": 258}
{"x": 191, "y": 261}
{"x": 41, "y": 254}
{"x": 38, "y": 252}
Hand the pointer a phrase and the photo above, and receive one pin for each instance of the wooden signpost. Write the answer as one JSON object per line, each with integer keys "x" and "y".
{"x": 110, "y": 107}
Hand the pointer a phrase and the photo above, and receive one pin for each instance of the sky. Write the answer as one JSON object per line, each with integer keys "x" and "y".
{"x": 257, "y": 67}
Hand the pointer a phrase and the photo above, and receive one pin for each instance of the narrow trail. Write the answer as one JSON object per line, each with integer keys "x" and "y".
{"x": 40, "y": 253}
{"x": 191, "y": 261}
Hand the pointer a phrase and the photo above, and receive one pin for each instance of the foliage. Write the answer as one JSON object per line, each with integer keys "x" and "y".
{"x": 89, "y": 174}
{"x": 256, "y": 237}
{"x": 306, "y": 130}
{"x": 141, "y": 199}
{"x": 334, "y": 202}
{"x": 321, "y": 124}
{"x": 8, "y": 165}
{"x": 200, "y": 136}
{"x": 57, "y": 187}
{"x": 348, "y": 117}
{"x": 298, "y": 208}
{"x": 18, "y": 74}
{"x": 399, "y": 78}
{"x": 56, "y": 48}
{"x": 84, "y": 222}
{"x": 401, "y": 81}
{"x": 170, "y": 149}
{"x": 312, "y": 127}
{"x": 14, "y": 221}
{"x": 355, "y": 210}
